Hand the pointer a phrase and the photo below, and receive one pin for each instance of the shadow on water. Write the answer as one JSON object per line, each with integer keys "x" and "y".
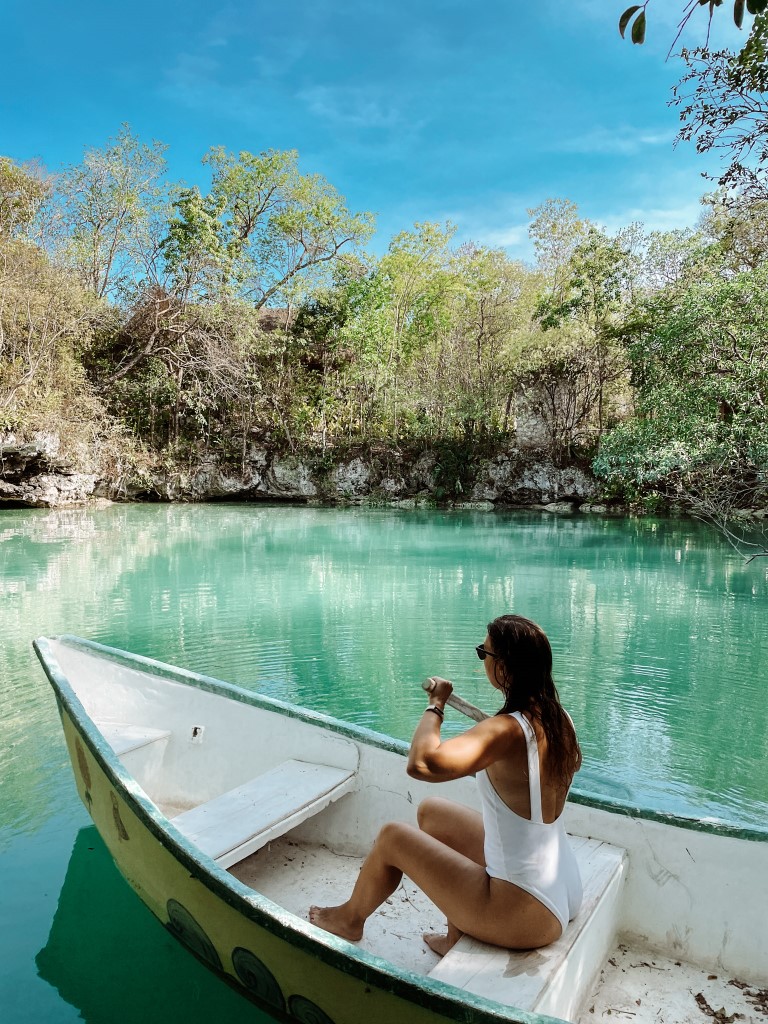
{"x": 110, "y": 958}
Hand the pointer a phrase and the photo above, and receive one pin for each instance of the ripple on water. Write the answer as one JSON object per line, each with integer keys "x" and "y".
{"x": 658, "y": 633}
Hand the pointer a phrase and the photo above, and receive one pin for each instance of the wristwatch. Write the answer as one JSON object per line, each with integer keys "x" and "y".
{"x": 438, "y": 711}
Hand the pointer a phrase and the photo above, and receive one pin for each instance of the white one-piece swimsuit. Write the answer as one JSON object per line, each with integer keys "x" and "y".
{"x": 534, "y": 855}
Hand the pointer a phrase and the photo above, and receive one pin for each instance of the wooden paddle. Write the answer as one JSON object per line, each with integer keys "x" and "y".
{"x": 456, "y": 702}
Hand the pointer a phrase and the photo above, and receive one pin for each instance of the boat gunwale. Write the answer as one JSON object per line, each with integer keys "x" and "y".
{"x": 372, "y": 738}
{"x": 330, "y": 949}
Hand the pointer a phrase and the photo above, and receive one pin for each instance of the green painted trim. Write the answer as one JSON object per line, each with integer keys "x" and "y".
{"x": 709, "y": 825}
{"x": 335, "y": 952}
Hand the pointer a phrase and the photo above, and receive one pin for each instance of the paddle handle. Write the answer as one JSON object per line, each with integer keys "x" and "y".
{"x": 458, "y": 703}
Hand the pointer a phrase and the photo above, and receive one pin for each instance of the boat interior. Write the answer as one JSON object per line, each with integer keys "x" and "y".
{"x": 289, "y": 809}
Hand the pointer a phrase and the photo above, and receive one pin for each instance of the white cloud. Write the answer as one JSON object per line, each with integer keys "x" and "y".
{"x": 497, "y": 225}
{"x": 653, "y": 218}
{"x": 622, "y": 141}
{"x": 506, "y": 237}
{"x": 356, "y": 106}
{"x": 191, "y": 77}
{"x": 503, "y": 222}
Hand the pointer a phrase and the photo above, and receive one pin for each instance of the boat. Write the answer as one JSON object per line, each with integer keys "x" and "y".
{"x": 229, "y": 812}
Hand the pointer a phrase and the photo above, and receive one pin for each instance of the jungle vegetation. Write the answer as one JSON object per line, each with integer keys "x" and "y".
{"x": 152, "y": 321}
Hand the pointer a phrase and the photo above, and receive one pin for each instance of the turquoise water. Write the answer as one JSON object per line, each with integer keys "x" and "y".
{"x": 660, "y": 633}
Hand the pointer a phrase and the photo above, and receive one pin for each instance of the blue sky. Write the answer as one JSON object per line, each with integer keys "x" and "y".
{"x": 446, "y": 110}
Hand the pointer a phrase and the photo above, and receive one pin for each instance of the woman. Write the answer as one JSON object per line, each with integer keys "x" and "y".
{"x": 507, "y": 876}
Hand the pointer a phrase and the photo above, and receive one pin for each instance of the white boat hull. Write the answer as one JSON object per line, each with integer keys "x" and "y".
{"x": 148, "y": 743}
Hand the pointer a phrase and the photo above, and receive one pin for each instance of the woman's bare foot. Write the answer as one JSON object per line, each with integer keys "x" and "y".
{"x": 440, "y": 944}
{"x": 337, "y": 921}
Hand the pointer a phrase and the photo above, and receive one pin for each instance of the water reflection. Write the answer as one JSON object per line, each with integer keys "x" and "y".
{"x": 107, "y": 955}
{"x": 661, "y": 650}
{"x": 658, "y": 627}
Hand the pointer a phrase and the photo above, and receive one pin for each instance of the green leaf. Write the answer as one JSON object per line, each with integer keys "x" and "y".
{"x": 738, "y": 13}
{"x": 626, "y": 17}
{"x": 638, "y": 28}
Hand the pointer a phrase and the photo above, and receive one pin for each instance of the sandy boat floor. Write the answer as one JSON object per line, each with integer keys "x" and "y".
{"x": 638, "y": 987}
{"x": 635, "y": 986}
{"x": 298, "y": 876}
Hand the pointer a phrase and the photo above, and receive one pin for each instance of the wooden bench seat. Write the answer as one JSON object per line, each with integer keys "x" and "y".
{"x": 232, "y": 826}
{"x": 553, "y": 980}
{"x": 125, "y": 738}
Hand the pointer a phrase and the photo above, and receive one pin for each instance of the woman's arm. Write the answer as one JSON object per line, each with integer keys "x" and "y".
{"x": 433, "y": 760}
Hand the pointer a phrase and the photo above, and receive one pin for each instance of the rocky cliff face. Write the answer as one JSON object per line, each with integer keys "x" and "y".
{"x": 514, "y": 479}
{"x": 35, "y": 475}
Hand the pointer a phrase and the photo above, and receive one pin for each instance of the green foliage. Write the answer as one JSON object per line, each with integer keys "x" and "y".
{"x": 46, "y": 321}
{"x": 638, "y": 12}
{"x": 198, "y": 259}
{"x": 573, "y": 374}
{"x": 700, "y": 369}
{"x": 455, "y": 468}
{"x": 723, "y": 109}
{"x": 594, "y": 282}
{"x": 174, "y": 323}
{"x": 23, "y": 190}
{"x": 262, "y": 224}
{"x": 109, "y": 207}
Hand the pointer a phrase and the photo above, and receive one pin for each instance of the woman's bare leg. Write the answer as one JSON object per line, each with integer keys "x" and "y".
{"x": 378, "y": 879}
{"x": 457, "y": 826}
{"x": 489, "y": 909}
{"x": 451, "y": 824}
{"x": 461, "y": 828}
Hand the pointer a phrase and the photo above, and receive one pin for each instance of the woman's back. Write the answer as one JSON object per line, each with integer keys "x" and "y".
{"x": 510, "y": 775}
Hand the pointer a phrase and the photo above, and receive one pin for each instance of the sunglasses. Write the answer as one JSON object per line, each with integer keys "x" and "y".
{"x": 483, "y": 654}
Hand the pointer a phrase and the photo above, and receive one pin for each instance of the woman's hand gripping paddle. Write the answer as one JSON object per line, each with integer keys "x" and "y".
{"x": 456, "y": 702}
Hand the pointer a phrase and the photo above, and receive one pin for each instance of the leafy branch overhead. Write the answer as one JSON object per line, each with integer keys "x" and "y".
{"x": 722, "y": 96}
{"x": 636, "y": 15}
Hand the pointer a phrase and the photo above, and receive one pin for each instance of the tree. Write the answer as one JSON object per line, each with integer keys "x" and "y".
{"x": 462, "y": 381}
{"x": 397, "y": 311}
{"x": 724, "y": 109}
{"x": 108, "y": 205}
{"x": 556, "y": 229}
{"x": 671, "y": 258}
{"x": 44, "y": 323}
{"x": 736, "y": 227}
{"x": 263, "y": 234}
{"x": 198, "y": 259}
{"x": 571, "y": 373}
{"x": 262, "y": 225}
{"x": 700, "y": 370}
{"x": 23, "y": 190}
{"x": 197, "y": 387}
{"x": 559, "y": 387}
{"x": 721, "y": 97}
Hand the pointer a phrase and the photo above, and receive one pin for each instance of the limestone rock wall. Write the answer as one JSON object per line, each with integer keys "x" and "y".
{"x": 514, "y": 479}
{"x": 37, "y": 475}
{"x": 34, "y": 476}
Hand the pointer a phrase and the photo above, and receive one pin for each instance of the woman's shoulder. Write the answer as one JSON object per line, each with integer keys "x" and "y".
{"x": 505, "y": 727}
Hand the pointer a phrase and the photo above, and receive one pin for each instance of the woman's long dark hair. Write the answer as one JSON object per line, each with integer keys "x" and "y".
{"x": 524, "y": 657}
